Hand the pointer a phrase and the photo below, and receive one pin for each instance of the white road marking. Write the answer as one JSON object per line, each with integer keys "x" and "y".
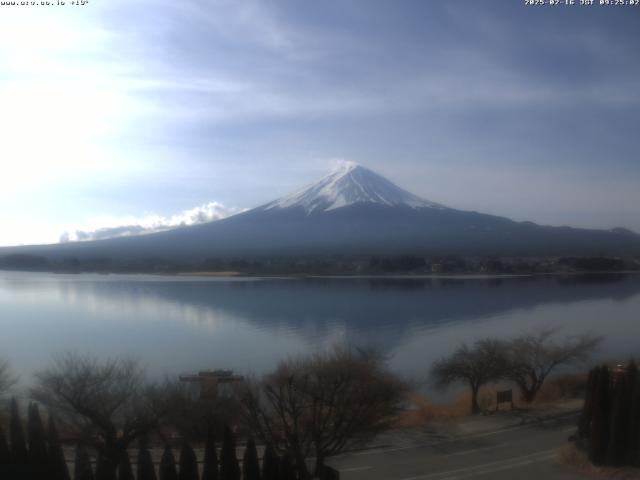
{"x": 455, "y": 454}
{"x": 376, "y": 451}
{"x": 488, "y": 467}
{"x": 509, "y": 466}
{"x": 355, "y": 469}
{"x": 467, "y": 452}
{"x": 453, "y": 440}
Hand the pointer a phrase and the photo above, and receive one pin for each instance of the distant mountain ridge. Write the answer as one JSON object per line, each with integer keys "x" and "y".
{"x": 352, "y": 211}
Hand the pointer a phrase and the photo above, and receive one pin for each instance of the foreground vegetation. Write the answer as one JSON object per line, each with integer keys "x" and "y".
{"x": 39, "y": 455}
{"x": 308, "y": 409}
{"x": 607, "y": 443}
{"x": 526, "y": 360}
{"x": 609, "y": 427}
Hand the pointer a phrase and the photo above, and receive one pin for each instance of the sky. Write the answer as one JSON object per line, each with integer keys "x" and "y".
{"x": 148, "y": 114}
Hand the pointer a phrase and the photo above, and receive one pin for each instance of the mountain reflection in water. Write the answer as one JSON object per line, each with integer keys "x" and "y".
{"x": 174, "y": 324}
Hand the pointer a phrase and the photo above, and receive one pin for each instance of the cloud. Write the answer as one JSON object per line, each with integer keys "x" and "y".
{"x": 115, "y": 103}
{"x": 129, "y": 226}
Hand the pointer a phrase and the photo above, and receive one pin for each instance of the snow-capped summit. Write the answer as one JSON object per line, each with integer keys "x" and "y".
{"x": 350, "y": 184}
{"x": 352, "y": 211}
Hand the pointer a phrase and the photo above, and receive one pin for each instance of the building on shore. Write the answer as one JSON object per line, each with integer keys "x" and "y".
{"x": 212, "y": 383}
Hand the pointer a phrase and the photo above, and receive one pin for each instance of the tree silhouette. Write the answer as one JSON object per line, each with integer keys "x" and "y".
{"x": 7, "y": 380}
{"x": 38, "y": 455}
{"x": 633, "y": 442}
{"x": 107, "y": 401}
{"x": 168, "y": 465}
{"x": 188, "y": 463}
{"x": 210, "y": 468}
{"x": 125, "y": 472}
{"x": 145, "y": 469}
{"x": 270, "y": 467}
{"x": 611, "y": 420}
{"x": 599, "y": 435}
{"x": 302, "y": 407}
{"x": 482, "y": 363}
{"x": 534, "y": 356}
{"x": 250, "y": 463}
{"x": 584, "y": 424}
{"x": 620, "y": 418}
{"x": 5, "y": 455}
{"x": 286, "y": 469}
{"x": 57, "y": 464}
{"x": 103, "y": 472}
{"x": 19, "y": 452}
{"x": 82, "y": 467}
{"x": 229, "y": 467}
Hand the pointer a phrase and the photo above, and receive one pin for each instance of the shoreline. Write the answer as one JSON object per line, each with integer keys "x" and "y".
{"x": 331, "y": 276}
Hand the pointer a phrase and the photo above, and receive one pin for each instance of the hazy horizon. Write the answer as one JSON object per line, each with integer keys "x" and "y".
{"x": 161, "y": 113}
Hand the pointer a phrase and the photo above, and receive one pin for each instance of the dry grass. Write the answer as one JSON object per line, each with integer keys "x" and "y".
{"x": 571, "y": 456}
{"x": 576, "y": 459}
{"x": 563, "y": 387}
{"x": 425, "y": 411}
{"x": 557, "y": 389}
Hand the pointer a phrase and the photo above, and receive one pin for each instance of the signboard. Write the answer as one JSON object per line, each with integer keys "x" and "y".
{"x": 505, "y": 396}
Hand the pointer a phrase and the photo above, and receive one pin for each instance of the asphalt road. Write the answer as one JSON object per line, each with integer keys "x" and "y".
{"x": 521, "y": 452}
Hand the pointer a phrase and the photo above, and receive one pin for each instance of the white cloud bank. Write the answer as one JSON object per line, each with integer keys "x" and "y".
{"x": 102, "y": 228}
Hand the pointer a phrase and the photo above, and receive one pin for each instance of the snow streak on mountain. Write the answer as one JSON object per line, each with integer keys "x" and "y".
{"x": 352, "y": 211}
{"x": 351, "y": 184}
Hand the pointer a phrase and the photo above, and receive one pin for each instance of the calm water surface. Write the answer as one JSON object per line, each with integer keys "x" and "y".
{"x": 179, "y": 324}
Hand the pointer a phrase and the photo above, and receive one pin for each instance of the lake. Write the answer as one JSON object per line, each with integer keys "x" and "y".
{"x": 183, "y": 324}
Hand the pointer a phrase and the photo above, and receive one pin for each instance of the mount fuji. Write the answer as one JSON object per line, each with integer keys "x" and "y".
{"x": 353, "y": 211}
{"x": 349, "y": 185}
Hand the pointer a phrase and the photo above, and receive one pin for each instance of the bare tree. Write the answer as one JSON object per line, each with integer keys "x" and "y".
{"x": 320, "y": 405}
{"x": 193, "y": 416}
{"x": 533, "y": 356}
{"x": 7, "y": 380}
{"x": 482, "y": 363}
{"x": 107, "y": 401}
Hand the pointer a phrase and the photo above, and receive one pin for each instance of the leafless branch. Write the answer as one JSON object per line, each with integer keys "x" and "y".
{"x": 7, "y": 380}
{"x": 533, "y": 356}
{"x": 319, "y": 405}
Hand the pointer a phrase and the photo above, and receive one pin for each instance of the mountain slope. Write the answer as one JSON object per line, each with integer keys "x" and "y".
{"x": 353, "y": 211}
{"x": 349, "y": 185}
